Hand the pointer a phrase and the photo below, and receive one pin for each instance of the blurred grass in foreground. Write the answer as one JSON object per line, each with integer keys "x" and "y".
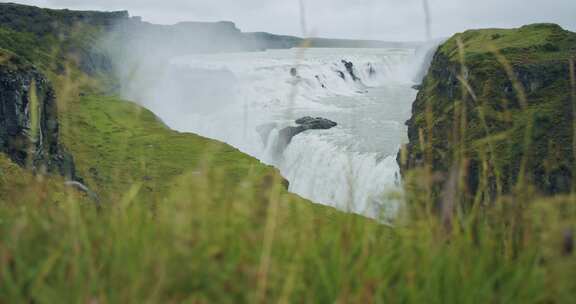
{"x": 207, "y": 242}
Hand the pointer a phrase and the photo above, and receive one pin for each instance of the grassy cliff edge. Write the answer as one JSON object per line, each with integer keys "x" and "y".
{"x": 496, "y": 111}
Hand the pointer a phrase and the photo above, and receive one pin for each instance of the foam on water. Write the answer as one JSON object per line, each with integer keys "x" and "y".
{"x": 244, "y": 99}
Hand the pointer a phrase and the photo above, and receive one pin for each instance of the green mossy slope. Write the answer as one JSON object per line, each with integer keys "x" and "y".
{"x": 495, "y": 112}
{"x": 118, "y": 144}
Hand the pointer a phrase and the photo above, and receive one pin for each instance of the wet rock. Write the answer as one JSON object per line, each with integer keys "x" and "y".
{"x": 371, "y": 70}
{"x": 350, "y": 69}
{"x": 303, "y": 124}
{"x": 293, "y": 72}
{"x": 320, "y": 81}
{"x": 317, "y": 123}
{"x": 29, "y": 127}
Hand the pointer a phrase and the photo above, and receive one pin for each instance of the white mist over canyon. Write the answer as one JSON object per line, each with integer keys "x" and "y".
{"x": 246, "y": 99}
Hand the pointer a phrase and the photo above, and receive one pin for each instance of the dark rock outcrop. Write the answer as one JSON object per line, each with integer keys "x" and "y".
{"x": 29, "y": 122}
{"x": 350, "y": 69}
{"x": 371, "y": 70}
{"x": 303, "y": 124}
{"x": 320, "y": 81}
{"x": 496, "y": 123}
{"x": 317, "y": 123}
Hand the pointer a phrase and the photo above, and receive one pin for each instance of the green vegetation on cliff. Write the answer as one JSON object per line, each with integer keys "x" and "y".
{"x": 528, "y": 44}
{"x": 118, "y": 144}
{"x": 51, "y": 38}
{"x": 496, "y": 111}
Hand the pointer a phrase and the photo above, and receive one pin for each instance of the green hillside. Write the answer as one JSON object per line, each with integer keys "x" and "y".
{"x": 497, "y": 105}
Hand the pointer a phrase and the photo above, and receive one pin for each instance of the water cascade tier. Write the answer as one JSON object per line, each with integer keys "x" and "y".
{"x": 331, "y": 120}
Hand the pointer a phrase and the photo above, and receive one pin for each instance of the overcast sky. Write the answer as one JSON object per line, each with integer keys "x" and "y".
{"x": 367, "y": 19}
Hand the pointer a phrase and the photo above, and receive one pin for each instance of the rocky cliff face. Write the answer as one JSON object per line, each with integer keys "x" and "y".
{"x": 495, "y": 111}
{"x": 29, "y": 123}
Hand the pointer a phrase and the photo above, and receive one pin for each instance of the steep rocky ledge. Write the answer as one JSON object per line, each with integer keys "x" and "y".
{"x": 29, "y": 122}
{"x": 495, "y": 109}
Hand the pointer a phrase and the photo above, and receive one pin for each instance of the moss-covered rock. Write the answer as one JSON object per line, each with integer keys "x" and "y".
{"x": 29, "y": 127}
{"x": 496, "y": 111}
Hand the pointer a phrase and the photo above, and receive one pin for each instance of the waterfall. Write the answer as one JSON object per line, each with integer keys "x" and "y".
{"x": 246, "y": 99}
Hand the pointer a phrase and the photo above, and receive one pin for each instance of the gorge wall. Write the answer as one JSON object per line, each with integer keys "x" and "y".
{"x": 29, "y": 127}
{"x": 496, "y": 110}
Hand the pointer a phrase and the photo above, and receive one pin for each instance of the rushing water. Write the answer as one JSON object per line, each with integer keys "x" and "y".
{"x": 245, "y": 99}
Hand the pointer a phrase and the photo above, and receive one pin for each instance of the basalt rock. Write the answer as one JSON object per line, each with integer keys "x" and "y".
{"x": 317, "y": 123}
{"x": 371, "y": 70}
{"x": 29, "y": 129}
{"x": 350, "y": 69}
{"x": 303, "y": 124}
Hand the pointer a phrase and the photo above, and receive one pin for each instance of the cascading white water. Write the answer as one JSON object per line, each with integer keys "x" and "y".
{"x": 245, "y": 99}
